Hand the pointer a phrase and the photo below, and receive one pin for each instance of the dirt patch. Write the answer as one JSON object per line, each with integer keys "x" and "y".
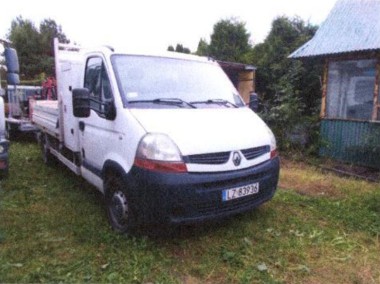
{"x": 340, "y": 273}
{"x": 324, "y": 179}
{"x": 359, "y": 172}
{"x": 307, "y": 180}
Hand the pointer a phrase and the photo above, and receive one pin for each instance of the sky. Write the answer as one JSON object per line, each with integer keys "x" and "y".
{"x": 156, "y": 24}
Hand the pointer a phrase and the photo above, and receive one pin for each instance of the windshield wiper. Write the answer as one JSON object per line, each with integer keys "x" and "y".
{"x": 216, "y": 101}
{"x": 168, "y": 101}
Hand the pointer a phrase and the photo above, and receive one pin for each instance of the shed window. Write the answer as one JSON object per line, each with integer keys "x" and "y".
{"x": 350, "y": 89}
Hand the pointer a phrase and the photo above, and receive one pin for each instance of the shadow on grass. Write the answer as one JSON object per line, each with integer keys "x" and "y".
{"x": 164, "y": 232}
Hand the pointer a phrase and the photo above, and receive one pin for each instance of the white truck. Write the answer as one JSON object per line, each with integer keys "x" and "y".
{"x": 166, "y": 138}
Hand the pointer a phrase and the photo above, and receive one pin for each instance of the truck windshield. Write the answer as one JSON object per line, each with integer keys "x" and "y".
{"x": 160, "y": 82}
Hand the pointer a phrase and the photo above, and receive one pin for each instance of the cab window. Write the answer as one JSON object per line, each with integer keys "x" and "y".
{"x": 97, "y": 82}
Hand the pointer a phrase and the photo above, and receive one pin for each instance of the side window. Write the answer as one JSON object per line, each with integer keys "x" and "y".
{"x": 350, "y": 89}
{"x": 97, "y": 82}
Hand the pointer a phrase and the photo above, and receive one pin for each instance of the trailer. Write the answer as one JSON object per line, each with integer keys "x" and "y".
{"x": 19, "y": 99}
{"x": 19, "y": 108}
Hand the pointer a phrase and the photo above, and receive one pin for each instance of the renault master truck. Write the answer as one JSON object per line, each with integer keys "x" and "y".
{"x": 166, "y": 138}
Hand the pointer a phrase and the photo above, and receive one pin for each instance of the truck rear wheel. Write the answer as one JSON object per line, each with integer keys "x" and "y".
{"x": 118, "y": 204}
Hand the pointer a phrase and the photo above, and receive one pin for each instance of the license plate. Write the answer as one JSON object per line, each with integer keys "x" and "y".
{"x": 239, "y": 192}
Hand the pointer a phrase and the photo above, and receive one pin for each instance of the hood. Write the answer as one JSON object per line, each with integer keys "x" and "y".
{"x": 200, "y": 131}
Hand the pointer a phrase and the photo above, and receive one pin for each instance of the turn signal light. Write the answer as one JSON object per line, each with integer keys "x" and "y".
{"x": 161, "y": 166}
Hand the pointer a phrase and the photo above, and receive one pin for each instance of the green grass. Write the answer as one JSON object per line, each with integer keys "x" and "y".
{"x": 53, "y": 229}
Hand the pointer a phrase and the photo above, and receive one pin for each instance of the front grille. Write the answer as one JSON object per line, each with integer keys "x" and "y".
{"x": 253, "y": 153}
{"x": 209, "y": 159}
{"x": 223, "y": 157}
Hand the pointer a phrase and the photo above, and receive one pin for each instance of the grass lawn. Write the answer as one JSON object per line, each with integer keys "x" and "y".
{"x": 319, "y": 228}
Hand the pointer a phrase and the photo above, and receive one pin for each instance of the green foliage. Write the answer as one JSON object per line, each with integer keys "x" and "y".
{"x": 289, "y": 89}
{"x": 26, "y": 40}
{"x": 229, "y": 42}
{"x": 274, "y": 66}
{"x": 35, "y": 46}
{"x": 55, "y": 223}
{"x": 202, "y": 49}
{"x": 48, "y": 31}
{"x": 179, "y": 48}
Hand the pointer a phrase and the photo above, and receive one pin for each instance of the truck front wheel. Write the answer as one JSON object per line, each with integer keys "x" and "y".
{"x": 117, "y": 204}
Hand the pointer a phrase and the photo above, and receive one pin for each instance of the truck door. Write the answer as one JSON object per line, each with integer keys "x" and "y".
{"x": 97, "y": 132}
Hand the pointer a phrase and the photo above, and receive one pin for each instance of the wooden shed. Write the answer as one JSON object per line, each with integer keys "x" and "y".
{"x": 348, "y": 42}
{"x": 242, "y": 76}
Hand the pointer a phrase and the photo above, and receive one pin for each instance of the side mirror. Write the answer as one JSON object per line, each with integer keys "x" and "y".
{"x": 81, "y": 102}
{"x": 13, "y": 79}
{"x": 254, "y": 102}
{"x": 13, "y": 67}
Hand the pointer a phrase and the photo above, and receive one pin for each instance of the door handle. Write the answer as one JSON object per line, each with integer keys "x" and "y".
{"x": 81, "y": 125}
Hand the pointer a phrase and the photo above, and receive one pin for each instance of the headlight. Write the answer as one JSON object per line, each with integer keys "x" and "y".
{"x": 4, "y": 145}
{"x": 158, "y": 147}
{"x": 273, "y": 144}
{"x": 159, "y": 153}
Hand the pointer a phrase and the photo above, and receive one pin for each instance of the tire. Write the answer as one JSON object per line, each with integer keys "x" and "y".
{"x": 4, "y": 173}
{"x": 11, "y": 133}
{"x": 118, "y": 205}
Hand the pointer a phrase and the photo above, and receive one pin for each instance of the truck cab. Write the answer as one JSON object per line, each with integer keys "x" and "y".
{"x": 166, "y": 138}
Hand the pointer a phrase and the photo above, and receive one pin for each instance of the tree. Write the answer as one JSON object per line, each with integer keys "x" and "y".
{"x": 229, "y": 41}
{"x": 275, "y": 69}
{"x": 48, "y": 31}
{"x": 203, "y": 48}
{"x": 34, "y": 47}
{"x": 179, "y": 48}
{"x": 290, "y": 89}
{"x": 26, "y": 39}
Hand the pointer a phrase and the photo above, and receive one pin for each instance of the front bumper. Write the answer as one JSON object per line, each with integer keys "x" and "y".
{"x": 197, "y": 197}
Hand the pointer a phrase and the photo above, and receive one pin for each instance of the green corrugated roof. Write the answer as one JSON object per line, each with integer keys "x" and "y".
{"x": 351, "y": 26}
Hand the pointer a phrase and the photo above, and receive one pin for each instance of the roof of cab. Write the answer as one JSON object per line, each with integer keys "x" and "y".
{"x": 166, "y": 54}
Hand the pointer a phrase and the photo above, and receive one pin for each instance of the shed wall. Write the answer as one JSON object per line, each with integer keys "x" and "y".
{"x": 354, "y": 142}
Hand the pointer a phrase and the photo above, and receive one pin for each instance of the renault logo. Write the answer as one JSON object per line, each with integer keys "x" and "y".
{"x": 236, "y": 158}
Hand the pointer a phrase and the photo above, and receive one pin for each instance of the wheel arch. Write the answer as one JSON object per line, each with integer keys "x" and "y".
{"x": 112, "y": 167}
{"x": 111, "y": 171}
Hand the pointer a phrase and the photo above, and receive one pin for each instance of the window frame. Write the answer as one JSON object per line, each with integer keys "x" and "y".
{"x": 98, "y": 102}
{"x": 375, "y": 115}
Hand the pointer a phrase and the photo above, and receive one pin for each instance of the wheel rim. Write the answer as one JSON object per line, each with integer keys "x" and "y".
{"x": 119, "y": 208}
